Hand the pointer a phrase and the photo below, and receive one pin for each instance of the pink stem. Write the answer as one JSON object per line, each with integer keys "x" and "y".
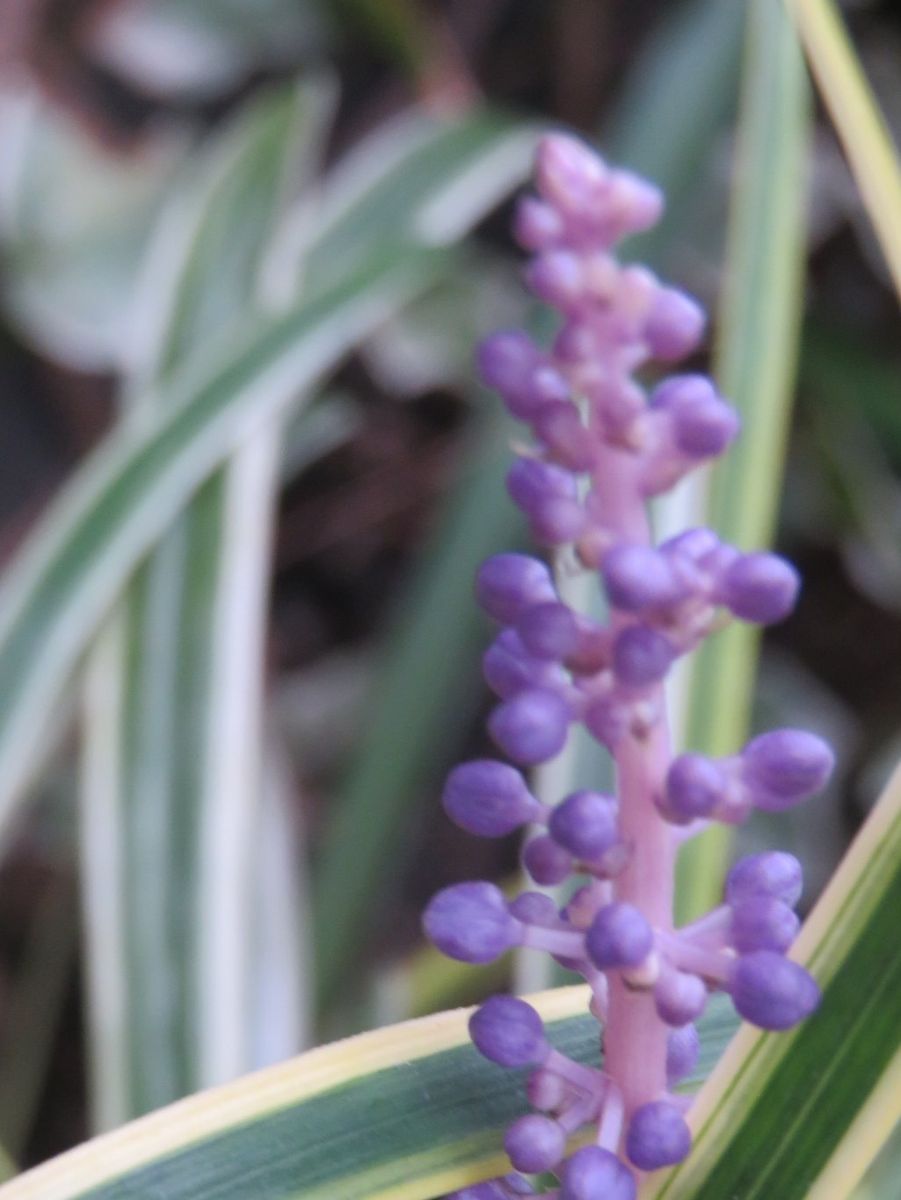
{"x": 635, "y": 1037}
{"x": 688, "y": 956}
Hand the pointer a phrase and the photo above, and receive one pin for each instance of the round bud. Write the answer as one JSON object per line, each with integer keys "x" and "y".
{"x": 619, "y": 936}
{"x": 557, "y": 278}
{"x": 679, "y": 997}
{"x": 695, "y": 787}
{"x": 470, "y": 922}
{"x": 559, "y": 426}
{"x": 595, "y": 1174}
{"x": 546, "y": 862}
{"x": 771, "y": 991}
{"x": 531, "y": 727}
{"x": 535, "y": 1143}
{"x": 507, "y": 584}
{"x": 703, "y": 424}
{"x": 487, "y": 798}
{"x": 549, "y": 631}
{"x": 509, "y": 1032}
{"x": 584, "y": 823}
{"x": 785, "y": 766}
{"x": 683, "y": 1048}
{"x": 762, "y": 923}
{"x": 772, "y": 873}
{"x": 535, "y": 908}
{"x": 508, "y": 667}
{"x": 567, "y": 171}
{"x": 641, "y": 656}
{"x": 658, "y": 1136}
{"x": 506, "y": 360}
{"x": 760, "y": 587}
{"x": 675, "y": 325}
{"x": 636, "y": 203}
{"x": 536, "y": 225}
{"x": 638, "y": 577}
{"x": 548, "y": 495}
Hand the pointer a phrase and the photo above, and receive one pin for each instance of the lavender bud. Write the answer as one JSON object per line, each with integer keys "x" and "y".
{"x": 509, "y": 1032}
{"x": 658, "y": 1136}
{"x": 549, "y": 631}
{"x": 703, "y": 424}
{"x": 772, "y": 873}
{"x": 695, "y": 786}
{"x": 761, "y": 588}
{"x": 675, "y": 325}
{"x": 641, "y": 656}
{"x": 785, "y": 766}
{"x": 534, "y": 908}
{"x": 568, "y": 173}
{"x": 487, "y": 798}
{"x": 548, "y": 495}
{"x": 638, "y": 577}
{"x": 536, "y": 225}
{"x": 592, "y": 1173}
{"x": 530, "y": 727}
{"x": 771, "y": 991}
{"x": 546, "y": 862}
{"x": 535, "y": 1143}
{"x": 556, "y": 277}
{"x": 509, "y": 668}
{"x": 679, "y": 997}
{"x": 584, "y": 823}
{"x": 507, "y": 584}
{"x": 619, "y": 936}
{"x": 636, "y": 203}
{"x": 470, "y": 922}
{"x": 560, "y": 428}
{"x": 506, "y": 361}
{"x": 683, "y": 1048}
{"x": 762, "y": 923}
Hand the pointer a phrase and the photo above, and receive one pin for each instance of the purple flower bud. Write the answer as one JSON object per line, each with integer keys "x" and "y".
{"x": 641, "y": 656}
{"x": 683, "y": 1048}
{"x": 761, "y": 588}
{"x": 509, "y": 1032}
{"x": 556, "y": 277}
{"x": 535, "y": 1143}
{"x": 619, "y": 936}
{"x": 507, "y": 584}
{"x": 530, "y": 727}
{"x": 638, "y": 577}
{"x": 772, "y": 873}
{"x": 679, "y": 997}
{"x": 506, "y": 360}
{"x": 470, "y": 922}
{"x": 771, "y": 991}
{"x": 695, "y": 786}
{"x": 762, "y": 923}
{"x": 567, "y": 172}
{"x": 658, "y": 1136}
{"x": 674, "y": 326}
{"x": 584, "y": 823}
{"x": 487, "y": 798}
{"x": 549, "y": 631}
{"x": 703, "y": 424}
{"x": 546, "y": 862}
{"x": 785, "y": 766}
{"x": 559, "y": 426}
{"x": 693, "y": 545}
{"x": 535, "y": 908}
{"x": 636, "y": 204}
{"x": 548, "y": 495}
{"x": 592, "y": 1173}
{"x": 509, "y": 668}
{"x": 536, "y": 225}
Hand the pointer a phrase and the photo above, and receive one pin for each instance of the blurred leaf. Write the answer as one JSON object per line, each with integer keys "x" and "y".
{"x": 404, "y": 1113}
{"x": 858, "y": 122}
{"x": 120, "y": 501}
{"x": 755, "y": 367}
{"x": 801, "y": 1115}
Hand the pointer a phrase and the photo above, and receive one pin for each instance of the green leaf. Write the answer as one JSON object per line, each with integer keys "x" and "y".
{"x": 63, "y": 582}
{"x": 801, "y": 1114}
{"x": 755, "y": 367}
{"x": 403, "y": 1113}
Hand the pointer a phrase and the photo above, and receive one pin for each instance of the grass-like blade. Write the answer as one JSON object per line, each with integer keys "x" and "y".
{"x": 755, "y": 364}
{"x": 801, "y": 1114}
{"x": 404, "y": 1113}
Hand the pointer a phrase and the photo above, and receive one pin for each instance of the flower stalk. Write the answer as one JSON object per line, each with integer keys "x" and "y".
{"x": 606, "y": 442}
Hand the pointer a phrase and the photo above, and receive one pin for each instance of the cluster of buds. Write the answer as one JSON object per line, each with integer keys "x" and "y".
{"x": 603, "y": 445}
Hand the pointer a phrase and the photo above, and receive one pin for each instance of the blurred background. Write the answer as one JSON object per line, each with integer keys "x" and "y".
{"x": 221, "y": 813}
